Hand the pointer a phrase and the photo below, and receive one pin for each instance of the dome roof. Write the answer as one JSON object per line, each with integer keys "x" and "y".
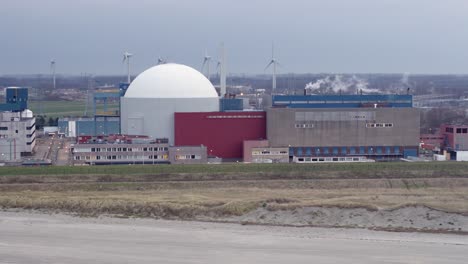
{"x": 171, "y": 81}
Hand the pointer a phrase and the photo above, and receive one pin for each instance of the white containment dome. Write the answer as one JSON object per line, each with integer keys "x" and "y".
{"x": 154, "y": 96}
{"x": 171, "y": 81}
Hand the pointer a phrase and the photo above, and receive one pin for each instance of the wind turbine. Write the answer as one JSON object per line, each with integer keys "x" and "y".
{"x": 52, "y": 70}
{"x": 126, "y": 58}
{"x": 275, "y": 63}
{"x": 161, "y": 61}
{"x": 206, "y": 61}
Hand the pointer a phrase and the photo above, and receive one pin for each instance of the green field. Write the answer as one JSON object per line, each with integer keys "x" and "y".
{"x": 347, "y": 170}
{"x": 66, "y": 108}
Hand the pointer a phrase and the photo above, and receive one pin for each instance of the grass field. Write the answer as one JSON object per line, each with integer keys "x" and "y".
{"x": 66, "y": 108}
{"x": 348, "y": 170}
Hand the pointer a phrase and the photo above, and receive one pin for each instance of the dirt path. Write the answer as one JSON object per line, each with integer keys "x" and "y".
{"x": 39, "y": 238}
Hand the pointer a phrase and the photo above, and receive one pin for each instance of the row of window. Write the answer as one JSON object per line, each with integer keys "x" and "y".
{"x": 187, "y": 157}
{"x": 235, "y": 116}
{"x": 373, "y": 125}
{"x": 121, "y": 149}
{"x": 123, "y": 157}
{"x": 326, "y": 159}
{"x": 304, "y": 125}
{"x": 268, "y": 152}
{"x": 368, "y": 125}
{"x": 458, "y": 130}
{"x": 316, "y": 151}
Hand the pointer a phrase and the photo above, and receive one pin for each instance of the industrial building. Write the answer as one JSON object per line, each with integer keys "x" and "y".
{"x": 131, "y": 149}
{"x": 92, "y": 126}
{"x": 222, "y": 132}
{"x": 369, "y": 126}
{"x": 17, "y": 126}
{"x": 179, "y": 104}
{"x": 152, "y": 99}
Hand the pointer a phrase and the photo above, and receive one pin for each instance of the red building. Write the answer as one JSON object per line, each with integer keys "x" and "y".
{"x": 222, "y": 132}
{"x": 455, "y": 137}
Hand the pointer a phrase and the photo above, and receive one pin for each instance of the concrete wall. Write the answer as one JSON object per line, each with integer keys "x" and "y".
{"x": 155, "y": 116}
{"x": 188, "y": 155}
{"x": 342, "y": 127}
{"x": 270, "y": 155}
{"x": 9, "y": 150}
{"x": 249, "y": 144}
{"x": 462, "y": 155}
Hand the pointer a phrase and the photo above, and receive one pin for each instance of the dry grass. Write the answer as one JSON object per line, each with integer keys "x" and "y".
{"x": 195, "y": 200}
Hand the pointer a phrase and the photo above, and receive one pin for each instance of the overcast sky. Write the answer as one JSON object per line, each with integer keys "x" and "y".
{"x": 310, "y": 36}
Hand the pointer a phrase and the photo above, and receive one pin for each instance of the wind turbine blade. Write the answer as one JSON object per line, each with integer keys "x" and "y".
{"x": 271, "y": 62}
{"x": 272, "y": 50}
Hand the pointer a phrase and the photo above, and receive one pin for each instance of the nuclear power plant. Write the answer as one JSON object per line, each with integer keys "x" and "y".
{"x": 171, "y": 113}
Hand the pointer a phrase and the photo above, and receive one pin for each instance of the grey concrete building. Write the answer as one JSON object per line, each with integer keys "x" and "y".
{"x": 344, "y": 131}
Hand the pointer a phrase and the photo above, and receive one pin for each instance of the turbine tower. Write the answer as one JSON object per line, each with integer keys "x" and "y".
{"x": 275, "y": 63}
{"x": 126, "y": 58}
{"x": 223, "y": 70}
{"x": 52, "y": 70}
{"x": 206, "y": 61}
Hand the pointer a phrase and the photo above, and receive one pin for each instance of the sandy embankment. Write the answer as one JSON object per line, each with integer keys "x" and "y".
{"x": 414, "y": 218}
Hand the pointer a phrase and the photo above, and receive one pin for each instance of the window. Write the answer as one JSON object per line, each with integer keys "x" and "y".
{"x": 362, "y": 150}
{"x": 387, "y": 150}
{"x": 465, "y": 130}
{"x": 459, "y": 130}
{"x": 449, "y": 129}
{"x": 335, "y": 151}
{"x": 3, "y": 128}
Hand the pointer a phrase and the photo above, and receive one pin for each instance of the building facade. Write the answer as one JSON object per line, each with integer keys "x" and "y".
{"x": 125, "y": 149}
{"x": 222, "y": 132}
{"x": 21, "y": 128}
{"x": 377, "y": 127}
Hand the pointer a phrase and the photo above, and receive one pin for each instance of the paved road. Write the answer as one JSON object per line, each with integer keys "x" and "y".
{"x": 38, "y": 238}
